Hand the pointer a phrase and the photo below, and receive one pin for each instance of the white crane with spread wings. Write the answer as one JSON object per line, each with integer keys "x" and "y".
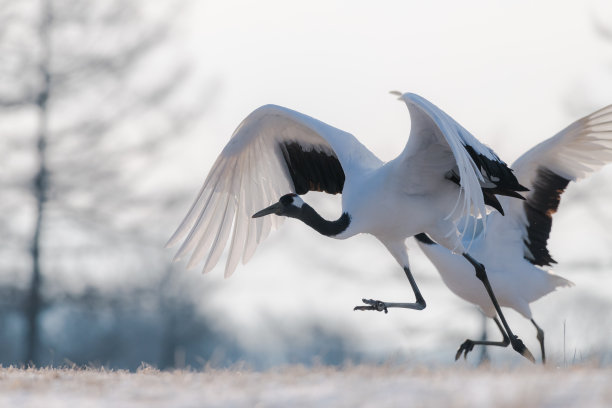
{"x": 276, "y": 154}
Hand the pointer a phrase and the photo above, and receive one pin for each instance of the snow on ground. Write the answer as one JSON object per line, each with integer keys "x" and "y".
{"x": 297, "y": 386}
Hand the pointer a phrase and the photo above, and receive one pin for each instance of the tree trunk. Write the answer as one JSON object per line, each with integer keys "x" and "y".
{"x": 40, "y": 187}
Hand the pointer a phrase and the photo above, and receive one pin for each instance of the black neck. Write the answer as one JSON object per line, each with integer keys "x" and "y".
{"x": 329, "y": 228}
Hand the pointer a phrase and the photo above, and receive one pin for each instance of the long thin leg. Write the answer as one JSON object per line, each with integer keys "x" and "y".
{"x": 383, "y": 306}
{"x": 481, "y": 273}
{"x": 540, "y": 337}
{"x": 468, "y": 345}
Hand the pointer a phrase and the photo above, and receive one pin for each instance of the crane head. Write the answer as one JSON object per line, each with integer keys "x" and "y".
{"x": 289, "y": 205}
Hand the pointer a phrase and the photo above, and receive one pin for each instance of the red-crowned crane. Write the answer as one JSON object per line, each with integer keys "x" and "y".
{"x": 443, "y": 174}
{"x": 514, "y": 246}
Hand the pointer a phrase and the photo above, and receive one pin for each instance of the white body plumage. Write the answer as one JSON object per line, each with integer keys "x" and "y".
{"x": 516, "y": 281}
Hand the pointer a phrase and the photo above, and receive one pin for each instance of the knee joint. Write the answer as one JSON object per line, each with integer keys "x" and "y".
{"x": 481, "y": 273}
{"x": 420, "y": 301}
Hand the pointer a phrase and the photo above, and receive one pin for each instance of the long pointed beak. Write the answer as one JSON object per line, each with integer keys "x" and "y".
{"x": 273, "y": 209}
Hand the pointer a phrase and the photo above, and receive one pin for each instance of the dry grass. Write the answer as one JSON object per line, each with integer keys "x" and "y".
{"x": 351, "y": 386}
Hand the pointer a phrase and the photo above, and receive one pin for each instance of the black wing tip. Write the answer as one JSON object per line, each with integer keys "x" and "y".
{"x": 491, "y": 200}
{"x": 512, "y": 193}
{"x": 541, "y": 257}
{"x": 511, "y": 184}
{"x": 521, "y": 188}
{"x": 488, "y": 193}
{"x": 495, "y": 169}
{"x": 424, "y": 239}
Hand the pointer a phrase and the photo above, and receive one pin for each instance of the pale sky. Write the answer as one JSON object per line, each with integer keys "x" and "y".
{"x": 513, "y": 73}
{"x": 486, "y": 63}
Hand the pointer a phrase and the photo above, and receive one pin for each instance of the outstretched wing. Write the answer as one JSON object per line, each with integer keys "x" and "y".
{"x": 439, "y": 147}
{"x": 274, "y": 151}
{"x": 547, "y": 168}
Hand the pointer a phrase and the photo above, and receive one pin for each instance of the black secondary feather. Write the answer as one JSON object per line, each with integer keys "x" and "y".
{"x": 312, "y": 169}
{"x": 498, "y": 172}
{"x": 541, "y": 204}
{"x": 488, "y": 194}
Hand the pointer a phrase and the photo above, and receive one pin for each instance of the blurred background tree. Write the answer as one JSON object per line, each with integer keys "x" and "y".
{"x": 89, "y": 100}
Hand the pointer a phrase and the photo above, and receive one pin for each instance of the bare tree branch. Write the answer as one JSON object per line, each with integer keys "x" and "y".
{"x": 76, "y": 66}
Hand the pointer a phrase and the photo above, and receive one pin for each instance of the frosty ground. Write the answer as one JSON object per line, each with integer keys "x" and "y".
{"x": 349, "y": 386}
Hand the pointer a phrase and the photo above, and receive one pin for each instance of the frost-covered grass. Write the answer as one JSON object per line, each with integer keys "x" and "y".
{"x": 295, "y": 386}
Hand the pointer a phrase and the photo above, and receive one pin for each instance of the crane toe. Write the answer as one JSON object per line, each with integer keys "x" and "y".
{"x": 464, "y": 348}
{"x": 376, "y": 305}
{"x": 519, "y": 347}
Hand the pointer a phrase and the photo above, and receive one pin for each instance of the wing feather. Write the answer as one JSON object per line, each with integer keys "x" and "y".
{"x": 438, "y": 144}
{"x": 223, "y": 232}
{"x": 252, "y": 172}
{"x": 211, "y": 221}
{"x": 200, "y": 215}
{"x": 546, "y": 169}
{"x": 239, "y": 238}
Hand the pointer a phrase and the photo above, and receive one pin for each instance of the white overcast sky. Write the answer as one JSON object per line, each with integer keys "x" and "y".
{"x": 503, "y": 69}
{"x": 513, "y": 73}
